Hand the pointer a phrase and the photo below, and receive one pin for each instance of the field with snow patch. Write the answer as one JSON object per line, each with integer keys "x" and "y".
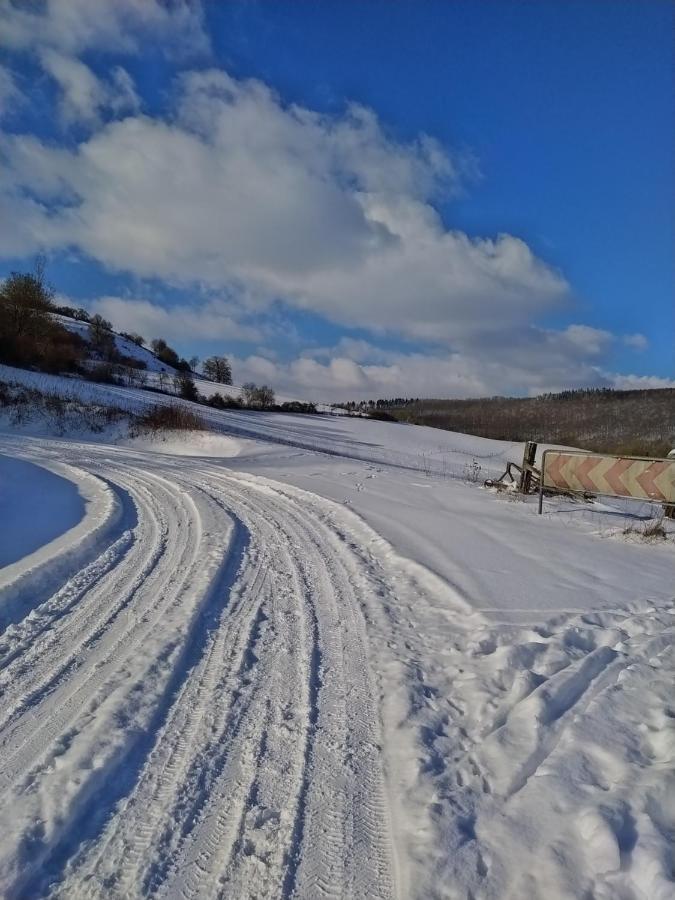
{"x": 313, "y": 657}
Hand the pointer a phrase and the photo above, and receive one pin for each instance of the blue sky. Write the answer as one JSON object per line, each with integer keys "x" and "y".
{"x": 354, "y": 200}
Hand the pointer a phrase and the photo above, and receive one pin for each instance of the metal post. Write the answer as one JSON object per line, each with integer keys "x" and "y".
{"x": 528, "y": 461}
{"x": 541, "y": 481}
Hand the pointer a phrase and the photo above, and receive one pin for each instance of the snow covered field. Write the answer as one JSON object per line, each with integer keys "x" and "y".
{"x": 308, "y": 657}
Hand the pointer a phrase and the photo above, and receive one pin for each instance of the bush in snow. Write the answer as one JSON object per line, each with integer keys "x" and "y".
{"x": 257, "y": 397}
{"x": 184, "y": 385}
{"x": 61, "y": 413}
{"x": 103, "y": 373}
{"x": 168, "y": 417}
{"x": 381, "y": 416}
{"x": 648, "y": 531}
{"x": 473, "y": 471}
{"x": 218, "y": 401}
{"x": 297, "y": 406}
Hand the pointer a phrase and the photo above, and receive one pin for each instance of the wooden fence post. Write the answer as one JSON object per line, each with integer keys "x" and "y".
{"x": 528, "y": 462}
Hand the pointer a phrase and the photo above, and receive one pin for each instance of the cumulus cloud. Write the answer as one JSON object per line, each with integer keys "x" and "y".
{"x": 329, "y": 213}
{"x": 250, "y": 201}
{"x": 359, "y": 370}
{"x": 636, "y": 341}
{"x": 411, "y": 375}
{"x": 591, "y": 341}
{"x": 212, "y": 320}
{"x": 74, "y": 26}
{"x": 639, "y": 382}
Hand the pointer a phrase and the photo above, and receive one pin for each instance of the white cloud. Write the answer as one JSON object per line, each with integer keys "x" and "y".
{"x": 212, "y": 320}
{"x": 74, "y": 26}
{"x": 237, "y": 194}
{"x": 325, "y": 378}
{"x": 639, "y": 382}
{"x": 352, "y": 348}
{"x": 636, "y": 341}
{"x": 57, "y": 32}
{"x": 10, "y": 95}
{"x": 591, "y": 341}
{"x": 330, "y": 214}
{"x": 123, "y": 97}
{"x": 84, "y": 96}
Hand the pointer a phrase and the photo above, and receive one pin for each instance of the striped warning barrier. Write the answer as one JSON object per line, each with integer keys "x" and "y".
{"x": 615, "y": 476}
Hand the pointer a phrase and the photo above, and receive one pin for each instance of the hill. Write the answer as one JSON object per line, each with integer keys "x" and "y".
{"x": 632, "y": 422}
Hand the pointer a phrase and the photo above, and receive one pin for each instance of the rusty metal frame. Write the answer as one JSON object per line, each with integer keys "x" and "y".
{"x": 528, "y": 473}
{"x": 594, "y": 493}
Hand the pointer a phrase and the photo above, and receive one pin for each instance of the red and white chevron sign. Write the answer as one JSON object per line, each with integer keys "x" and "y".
{"x": 617, "y": 476}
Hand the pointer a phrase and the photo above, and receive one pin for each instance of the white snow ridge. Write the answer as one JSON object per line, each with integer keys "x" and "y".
{"x": 301, "y": 657}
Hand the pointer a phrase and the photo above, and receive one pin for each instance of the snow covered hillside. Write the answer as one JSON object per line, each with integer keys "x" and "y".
{"x": 154, "y": 367}
{"x": 122, "y": 345}
{"x": 311, "y": 657}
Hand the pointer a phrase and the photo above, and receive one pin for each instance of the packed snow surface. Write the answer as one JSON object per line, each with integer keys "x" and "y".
{"x": 313, "y": 657}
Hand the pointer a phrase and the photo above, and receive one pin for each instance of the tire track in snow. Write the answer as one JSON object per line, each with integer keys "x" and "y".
{"x": 244, "y": 751}
{"x": 337, "y": 844}
{"x": 143, "y": 825}
{"x": 94, "y": 625}
{"x": 105, "y": 679}
{"x": 225, "y": 722}
{"x": 25, "y": 585}
{"x": 226, "y": 840}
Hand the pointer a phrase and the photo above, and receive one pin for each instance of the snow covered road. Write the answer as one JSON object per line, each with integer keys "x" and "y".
{"x": 197, "y": 671}
{"x": 228, "y": 686}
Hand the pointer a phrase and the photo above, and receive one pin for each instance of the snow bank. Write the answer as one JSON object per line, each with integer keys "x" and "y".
{"x": 192, "y": 443}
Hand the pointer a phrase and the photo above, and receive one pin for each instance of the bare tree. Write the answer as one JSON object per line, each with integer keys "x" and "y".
{"x": 29, "y": 333}
{"x": 26, "y": 304}
{"x": 218, "y": 368}
{"x": 258, "y": 397}
{"x": 164, "y": 353}
{"x": 184, "y": 385}
{"x": 137, "y": 339}
{"x": 100, "y": 335}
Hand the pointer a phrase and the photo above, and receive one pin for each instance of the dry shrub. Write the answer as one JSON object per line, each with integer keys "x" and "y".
{"x": 102, "y": 373}
{"x": 169, "y": 417}
{"x": 648, "y": 531}
{"x": 61, "y": 413}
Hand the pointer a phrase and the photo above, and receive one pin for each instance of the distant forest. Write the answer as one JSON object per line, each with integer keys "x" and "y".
{"x": 634, "y": 423}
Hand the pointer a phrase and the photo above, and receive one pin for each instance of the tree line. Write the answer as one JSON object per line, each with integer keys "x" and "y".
{"x": 631, "y": 422}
